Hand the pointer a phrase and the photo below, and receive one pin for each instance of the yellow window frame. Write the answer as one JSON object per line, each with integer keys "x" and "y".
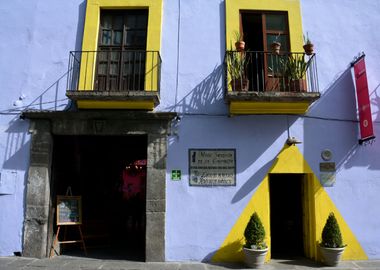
{"x": 91, "y": 35}
{"x": 293, "y": 9}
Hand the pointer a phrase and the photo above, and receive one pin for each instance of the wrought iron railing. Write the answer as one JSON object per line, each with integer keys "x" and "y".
{"x": 265, "y": 71}
{"x": 114, "y": 70}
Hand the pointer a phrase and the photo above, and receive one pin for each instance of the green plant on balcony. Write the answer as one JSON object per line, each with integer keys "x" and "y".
{"x": 295, "y": 73}
{"x": 236, "y": 66}
{"x": 239, "y": 41}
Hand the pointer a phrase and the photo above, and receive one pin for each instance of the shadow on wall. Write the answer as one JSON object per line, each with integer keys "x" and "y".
{"x": 17, "y": 145}
{"x": 222, "y": 15}
{"x": 234, "y": 249}
{"x": 252, "y": 182}
{"x": 204, "y": 96}
{"x": 332, "y": 124}
{"x": 375, "y": 102}
{"x": 80, "y": 25}
{"x": 365, "y": 155}
{"x": 53, "y": 97}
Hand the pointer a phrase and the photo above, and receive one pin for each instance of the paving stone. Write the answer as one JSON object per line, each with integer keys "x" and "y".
{"x": 192, "y": 266}
{"x": 78, "y": 263}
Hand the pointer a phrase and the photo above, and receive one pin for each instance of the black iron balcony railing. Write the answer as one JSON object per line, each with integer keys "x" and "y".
{"x": 114, "y": 71}
{"x": 265, "y": 71}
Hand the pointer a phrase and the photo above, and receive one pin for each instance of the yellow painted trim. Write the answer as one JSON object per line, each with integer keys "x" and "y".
{"x": 91, "y": 32}
{"x": 294, "y": 16}
{"x": 133, "y": 105}
{"x": 253, "y": 107}
{"x": 319, "y": 204}
{"x": 293, "y": 9}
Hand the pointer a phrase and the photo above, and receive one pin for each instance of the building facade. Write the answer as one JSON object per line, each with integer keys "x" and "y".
{"x": 134, "y": 106}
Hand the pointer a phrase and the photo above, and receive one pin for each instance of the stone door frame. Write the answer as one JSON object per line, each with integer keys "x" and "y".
{"x": 44, "y": 125}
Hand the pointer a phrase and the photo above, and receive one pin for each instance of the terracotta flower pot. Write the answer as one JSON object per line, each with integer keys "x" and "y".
{"x": 240, "y": 46}
{"x": 239, "y": 84}
{"x": 309, "y": 48}
{"x": 299, "y": 85}
{"x": 275, "y": 46}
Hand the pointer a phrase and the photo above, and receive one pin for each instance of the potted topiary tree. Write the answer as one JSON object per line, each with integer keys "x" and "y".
{"x": 332, "y": 246}
{"x": 255, "y": 248}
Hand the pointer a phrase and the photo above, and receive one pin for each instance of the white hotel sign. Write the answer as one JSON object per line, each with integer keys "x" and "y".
{"x": 212, "y": 167}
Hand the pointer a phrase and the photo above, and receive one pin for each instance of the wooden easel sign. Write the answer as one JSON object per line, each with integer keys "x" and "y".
{"x": 69, "y": 210}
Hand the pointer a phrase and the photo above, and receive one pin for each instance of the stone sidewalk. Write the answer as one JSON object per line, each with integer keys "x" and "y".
{"x": 78, "y": 263}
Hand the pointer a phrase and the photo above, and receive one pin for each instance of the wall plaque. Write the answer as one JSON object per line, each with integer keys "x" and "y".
{"x": 327, "y": 166}
{"x": 327, "y": 179}
{"x": 212, "y": 167}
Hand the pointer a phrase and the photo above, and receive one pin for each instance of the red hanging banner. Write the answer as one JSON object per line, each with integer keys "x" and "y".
{"x": 363, "y": 103}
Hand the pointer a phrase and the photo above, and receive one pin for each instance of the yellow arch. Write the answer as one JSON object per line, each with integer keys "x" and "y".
{"x": 319, "y": 204}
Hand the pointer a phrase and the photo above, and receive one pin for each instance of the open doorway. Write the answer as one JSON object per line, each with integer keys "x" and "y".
{"x": 260, "y": 30}
{"x": 286, "y": 215}
{"x": 109, "y": 173}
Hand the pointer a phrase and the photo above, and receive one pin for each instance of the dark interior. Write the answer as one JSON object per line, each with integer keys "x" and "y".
{"x": 95, "y": 168}
{"x": 286, "y": 215}
{"x": 253, "y": 37}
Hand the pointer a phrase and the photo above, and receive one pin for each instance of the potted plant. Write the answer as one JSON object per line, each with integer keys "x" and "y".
{"x": 255, "y": 248}
{"x": 332, "y": 246}
{"x": 295, "y": 71}
{"x": 308, "y": 47}
{"x": 276, "y": 45}
{"x": 236, "y": 66}
{"x": 239, "y": 42}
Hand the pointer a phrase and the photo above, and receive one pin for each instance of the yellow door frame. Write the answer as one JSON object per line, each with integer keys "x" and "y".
{"x": 316, "y": 200}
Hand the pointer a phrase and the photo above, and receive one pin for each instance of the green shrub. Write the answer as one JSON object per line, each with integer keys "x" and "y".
{"x": 331, "y": 235}
{"x": 255, "y": 233}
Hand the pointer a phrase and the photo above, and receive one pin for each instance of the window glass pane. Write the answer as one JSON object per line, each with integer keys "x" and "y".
{"x": 118, "y": 22}
{"x": 283, "y": 39}
{"x": 142, "y": 21}
{"x": 136, "y": 38}
{"x": 127, "y": 68}
{"x": 131, "y": 21}
{"x": 103, "y": 56}
{"x": 115, "y": 56}
{"x": 276, "y": 22}
{"x": 106, "y": 37}
{"x": 102, "y": 68}
{"x": 114, "y": 68}
{"x": 107, "y": 21}
{"x": 117, "y": 37}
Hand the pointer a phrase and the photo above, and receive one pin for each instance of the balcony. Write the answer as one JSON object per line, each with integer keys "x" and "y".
{"x": 114, "y": 79}
{"x": 268, "y": 83}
